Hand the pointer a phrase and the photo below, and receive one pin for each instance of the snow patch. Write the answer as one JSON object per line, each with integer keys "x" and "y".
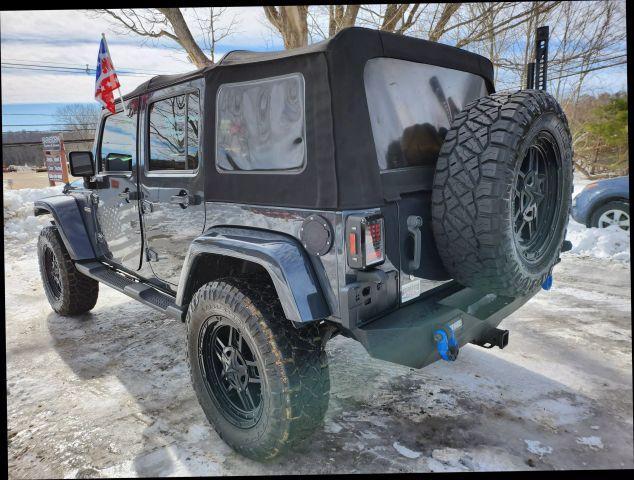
{"x": 332, "y": 427}
{"x": 593, "y": 442}
{"x": 406, "y": 452}
{"x": 536, "y": 447}
{"x": 447, "y": 455}
{"x": 197, "y": 433}
{"x": 448, "y": 460}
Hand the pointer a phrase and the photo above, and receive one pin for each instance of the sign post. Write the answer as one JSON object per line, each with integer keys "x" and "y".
{"x": 55, "y": 159}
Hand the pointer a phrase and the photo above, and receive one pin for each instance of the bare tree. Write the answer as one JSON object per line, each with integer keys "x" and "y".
{"x": 340, "y": 17}
{"x": 78, "y": 116}
{"x": 393, "y": 17}
{"x": 291, "y": 22}
{"x": 161, "y": 22}
{"x": 584, "y": 37}
{"x": 212, "y": 30}
{"x": 299, "y": 26}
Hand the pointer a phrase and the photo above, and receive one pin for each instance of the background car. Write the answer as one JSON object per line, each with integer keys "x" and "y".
{"x": 604, "y": 203}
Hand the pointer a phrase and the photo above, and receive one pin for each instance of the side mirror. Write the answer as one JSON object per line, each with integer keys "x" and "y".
{"x": 81, "y": 164}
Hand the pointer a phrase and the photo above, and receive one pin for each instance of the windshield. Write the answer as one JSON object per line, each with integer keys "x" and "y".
{"x": 411, "y": 107}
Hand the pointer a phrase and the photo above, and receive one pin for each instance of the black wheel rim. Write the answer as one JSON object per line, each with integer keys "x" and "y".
{"x": 231, "y": 372}
{"x": 53, "y": 273}
{"x": 537, "y": 198}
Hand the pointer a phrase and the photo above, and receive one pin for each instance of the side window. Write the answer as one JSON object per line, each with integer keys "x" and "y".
{"x": 260, "y": 125}
{"x": 173, "y": 125}
{"x": 117, "y": 151}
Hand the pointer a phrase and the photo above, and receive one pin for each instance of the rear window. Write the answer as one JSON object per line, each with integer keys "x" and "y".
{"x": 260, "y": 126}
{"x": 411, "y": 106}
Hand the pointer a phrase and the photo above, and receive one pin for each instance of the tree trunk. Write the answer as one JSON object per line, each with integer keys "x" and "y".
{"x": 340, "y": 17}
{"x": 448, "y": 10}
{"x": 184, "y": 37}
{"x": 291, "y": 22}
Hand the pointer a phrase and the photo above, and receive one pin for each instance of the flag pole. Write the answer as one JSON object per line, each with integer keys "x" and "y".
{"x": 103, "y": 35}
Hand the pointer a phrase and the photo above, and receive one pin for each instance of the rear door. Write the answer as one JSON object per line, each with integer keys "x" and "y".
{"x": 411, "y": 107}
{"x": 172, "y": 196}
{"x": 115, "y": 203}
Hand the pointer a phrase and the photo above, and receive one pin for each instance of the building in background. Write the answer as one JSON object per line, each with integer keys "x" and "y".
{"x": 25, "y": 148}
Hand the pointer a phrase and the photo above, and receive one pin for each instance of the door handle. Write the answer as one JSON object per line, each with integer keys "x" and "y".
{"x": 181, "y": 199}
{"x": 414, "y": 223}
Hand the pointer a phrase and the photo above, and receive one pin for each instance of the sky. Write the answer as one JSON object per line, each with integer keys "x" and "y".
{"x": 70, "y": 39}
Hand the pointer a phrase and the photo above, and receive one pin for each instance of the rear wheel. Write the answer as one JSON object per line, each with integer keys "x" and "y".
{"x": 262, "y": 383}
{"x": 612, "y": 213}
{"x": 69, "y": 292}
{"x": 502, "y": 192}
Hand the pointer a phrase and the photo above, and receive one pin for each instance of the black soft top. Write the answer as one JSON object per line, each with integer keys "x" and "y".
{"x": 342, "y": 170}
{"x": 464, "y": 60}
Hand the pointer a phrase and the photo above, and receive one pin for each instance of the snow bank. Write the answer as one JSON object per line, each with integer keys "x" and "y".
{"x": 611, "y": 243}
{"x": 21, "y": 227}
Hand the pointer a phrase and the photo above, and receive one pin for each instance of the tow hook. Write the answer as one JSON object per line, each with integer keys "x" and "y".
{"x": 447, "y": 345}
{"x": 548, "y": 282}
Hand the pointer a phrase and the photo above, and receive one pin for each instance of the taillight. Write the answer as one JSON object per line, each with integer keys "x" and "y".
{"x": 365, "y": 241}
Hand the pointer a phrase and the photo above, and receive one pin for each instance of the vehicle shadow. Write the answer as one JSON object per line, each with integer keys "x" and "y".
{"x": 479, "y": 410}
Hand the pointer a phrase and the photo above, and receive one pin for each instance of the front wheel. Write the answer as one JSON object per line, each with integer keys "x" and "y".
{"x": 262, "y": 383}
{"x": 69, "y": 292}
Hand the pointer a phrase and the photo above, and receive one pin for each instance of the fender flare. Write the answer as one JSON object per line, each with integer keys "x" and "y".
{"x": 282, "y": 256}
{"x": 70, "y": 222}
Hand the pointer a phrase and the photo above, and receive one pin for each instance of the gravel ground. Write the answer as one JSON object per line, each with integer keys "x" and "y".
{"x": 26, "y": 179}
{"x": 108, "y": 394}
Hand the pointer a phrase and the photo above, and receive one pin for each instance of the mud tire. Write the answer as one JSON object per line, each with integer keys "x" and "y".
{"x": 291, "y": 362}
{"x": 476, "y": 183}
{"x": 76, "y": 293}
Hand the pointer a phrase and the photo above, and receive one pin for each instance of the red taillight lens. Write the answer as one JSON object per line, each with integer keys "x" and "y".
{"x": 374, "y": 242}
{"x": 365, "y": 241}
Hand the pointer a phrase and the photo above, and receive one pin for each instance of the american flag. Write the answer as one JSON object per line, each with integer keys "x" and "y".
{"x": 106, "y": 81}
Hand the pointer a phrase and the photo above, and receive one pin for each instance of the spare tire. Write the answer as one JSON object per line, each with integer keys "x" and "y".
{"x": 502, "y": 192}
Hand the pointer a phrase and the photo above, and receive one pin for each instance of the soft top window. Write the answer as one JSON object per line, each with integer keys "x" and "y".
{"x": 411, "y": 106}
{"x": 173, "y": 131}
{"x": 260, "y": 125}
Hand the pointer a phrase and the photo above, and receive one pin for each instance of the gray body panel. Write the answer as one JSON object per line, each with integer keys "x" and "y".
{"x": 169, "y": 228}
{"x": 66, "y": 212}
{"x": 281, "y": 255}
{"x": 117, "y": 219}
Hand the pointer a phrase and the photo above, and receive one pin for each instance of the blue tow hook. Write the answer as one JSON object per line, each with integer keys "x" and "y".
{"x": 447, "y": 346}
{"x": 548, "y": 282}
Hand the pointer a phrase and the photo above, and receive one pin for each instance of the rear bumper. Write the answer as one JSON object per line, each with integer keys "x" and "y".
{"x": 406, "y": 336}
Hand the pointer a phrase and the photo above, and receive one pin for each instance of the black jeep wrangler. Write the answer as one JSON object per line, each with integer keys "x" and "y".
{"x": 372, "y": 185}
